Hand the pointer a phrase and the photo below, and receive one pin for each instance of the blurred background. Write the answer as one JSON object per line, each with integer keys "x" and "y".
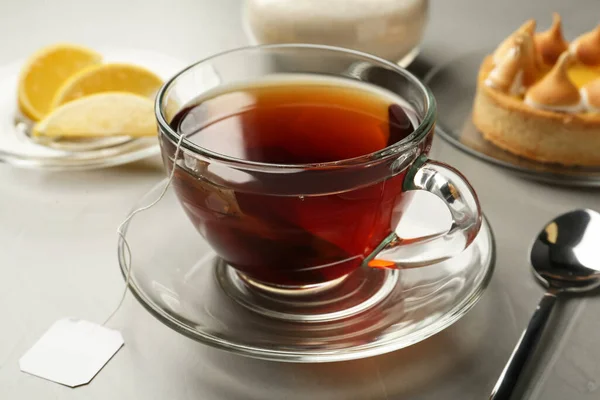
{"x": 193, "y": 29}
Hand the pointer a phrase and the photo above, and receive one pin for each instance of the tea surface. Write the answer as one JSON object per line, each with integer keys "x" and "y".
{"x": 295, "y": 122}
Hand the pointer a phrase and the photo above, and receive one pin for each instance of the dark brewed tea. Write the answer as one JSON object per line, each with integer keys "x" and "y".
{"x": 296, "y": 227}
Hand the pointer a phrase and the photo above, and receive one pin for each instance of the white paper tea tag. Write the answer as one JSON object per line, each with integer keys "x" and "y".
{"x": 71, "y": 352}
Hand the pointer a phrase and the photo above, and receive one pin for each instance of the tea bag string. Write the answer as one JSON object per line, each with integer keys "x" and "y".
{"x": 127, "y": 260}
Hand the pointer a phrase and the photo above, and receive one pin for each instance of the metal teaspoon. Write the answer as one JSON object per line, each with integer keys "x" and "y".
{"x": 566, "y": 258}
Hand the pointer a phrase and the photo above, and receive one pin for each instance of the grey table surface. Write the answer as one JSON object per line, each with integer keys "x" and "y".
{"x": 57, "y": 238}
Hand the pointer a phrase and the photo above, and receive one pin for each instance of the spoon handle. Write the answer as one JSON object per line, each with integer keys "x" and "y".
{"x": 524, "y": 348}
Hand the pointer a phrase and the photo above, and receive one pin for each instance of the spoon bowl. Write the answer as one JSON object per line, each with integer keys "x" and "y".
{"x": 565, "y": 255}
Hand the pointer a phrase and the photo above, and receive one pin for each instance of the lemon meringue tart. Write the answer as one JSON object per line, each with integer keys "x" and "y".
{"x": 538, "y": 96}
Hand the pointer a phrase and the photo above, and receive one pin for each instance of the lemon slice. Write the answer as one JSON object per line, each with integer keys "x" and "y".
{"x": 101, "y": 115}
{"x": 46, "y": 71}
{"x": 107, "y": 78}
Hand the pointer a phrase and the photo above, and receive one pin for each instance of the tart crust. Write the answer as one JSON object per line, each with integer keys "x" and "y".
{"x": 540, "y": 135}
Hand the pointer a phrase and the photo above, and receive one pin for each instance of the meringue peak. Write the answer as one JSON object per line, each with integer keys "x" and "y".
{"x": 586, "y": 47}
{"x": 528, "y": 28}
{"x": 551, "y": 43}
{"x": 518, "y": 69}
{"x": 555, "y": 91}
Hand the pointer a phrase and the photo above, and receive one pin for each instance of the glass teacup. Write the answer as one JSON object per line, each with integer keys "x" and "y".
{"x": 295, "y": 229}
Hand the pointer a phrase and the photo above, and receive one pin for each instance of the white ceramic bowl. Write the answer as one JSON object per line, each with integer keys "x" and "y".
{"x": 390, "y": 29}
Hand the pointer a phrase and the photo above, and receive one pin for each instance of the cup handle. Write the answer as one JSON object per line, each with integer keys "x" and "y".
{"x": 455, "y": 191}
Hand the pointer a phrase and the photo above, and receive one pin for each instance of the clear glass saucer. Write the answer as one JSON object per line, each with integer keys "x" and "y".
{"x": 18, "y": 148}
{"x": 453, "y": 85}
{"x": 178, "y": 278}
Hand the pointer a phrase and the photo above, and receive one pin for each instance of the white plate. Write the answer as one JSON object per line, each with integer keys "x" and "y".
{"x": 18, "y": 149}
